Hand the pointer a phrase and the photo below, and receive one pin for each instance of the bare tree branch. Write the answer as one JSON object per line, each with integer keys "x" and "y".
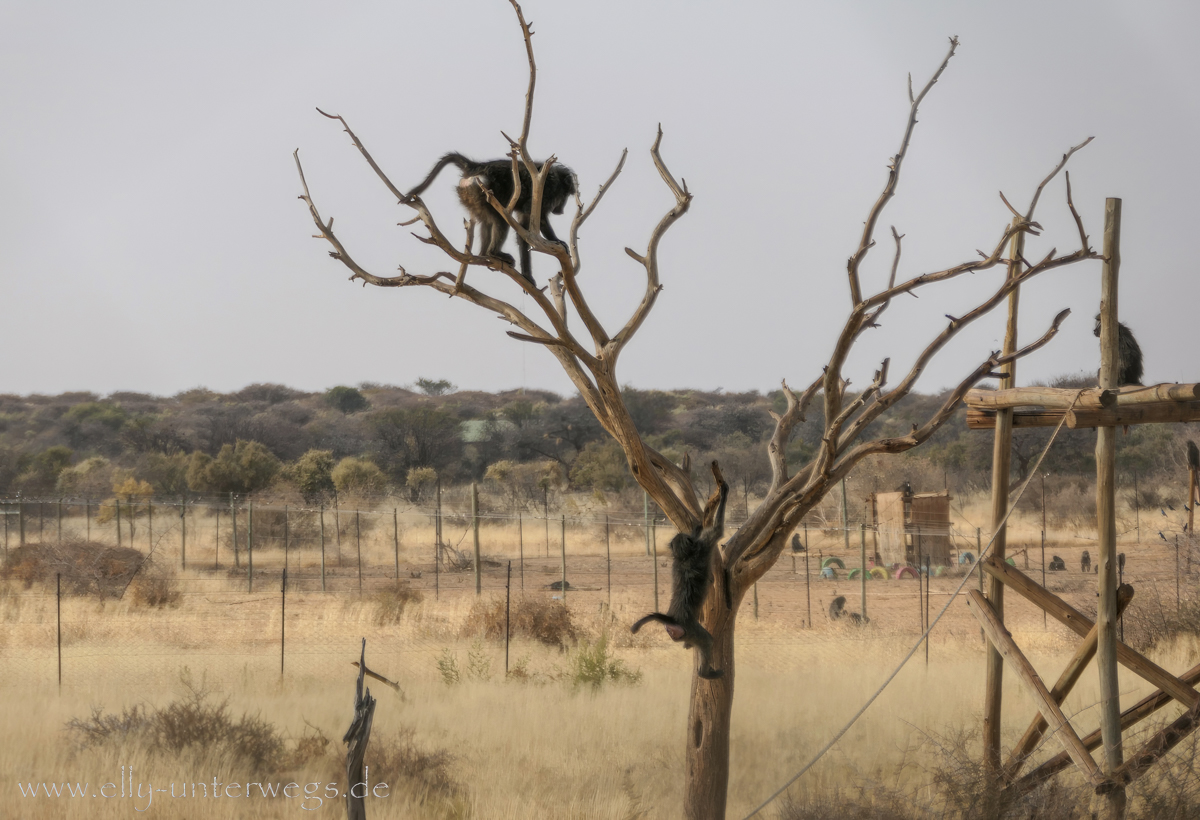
{"x": 889, "y": 190}
{"x": 1036, "y": 194}
{"x": 683, "y": 200}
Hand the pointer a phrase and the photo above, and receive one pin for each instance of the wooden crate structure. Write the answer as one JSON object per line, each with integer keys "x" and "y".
{"x": 911, "y": 526}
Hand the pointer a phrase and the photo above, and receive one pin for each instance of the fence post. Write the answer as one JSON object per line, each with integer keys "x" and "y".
{"x": 928, "y": 583}
{"x": 285, "y": 537}
{"x": 150, "y": 521}
{"x": 807, "y": 578}
{"x": 58, "y": 622}
{"x": 654, "y": 558}
{"x": 507, "y": 609}
{"x": 217, "y": 540}
{"x": 337, "y": 526}
{"x": 862, "y": 551}
{"x": 237, "y": 556}
{"x": 182, "y": 533}
{"x": 87, "y": 512}
{"x": 646, "y": 517}
{"x": 59, "y": 521}
{"x": 250, "y": 546}
{"x": 282, "y": 619}
{"x": 546, "y": 515}
{"x": 6, "y": 531}
{"x": 608, "y": 561}
{"x": 756, "y": 600}
{"x": 1043, "y": 573}
{"x": 117, "y": 503}
{"x": 521, "y": 546}
{"x": 1177, "y": 574}
{"x": 358, "y": 551}
{"x": 322, "y": 514}
{"x": 21, "y": 522}
{"x": 564, "y": 558}
{"x": 396, "y": 539}
{"x": 475, "y": 536}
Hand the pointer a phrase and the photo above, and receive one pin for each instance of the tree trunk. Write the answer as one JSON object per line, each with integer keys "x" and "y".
{"x": 709, "y": 719}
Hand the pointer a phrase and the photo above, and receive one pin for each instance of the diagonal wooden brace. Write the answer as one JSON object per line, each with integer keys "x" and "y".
{"x": 1002, "y": 640}
{"x": 1157, "y": 746}
{"x": 1141, "y": 710}
{"x": 1066, "y": 681}
{"x": 1075, "y": 620}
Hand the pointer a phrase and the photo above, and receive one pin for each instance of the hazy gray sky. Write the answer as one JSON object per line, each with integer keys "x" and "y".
{"x": 151, "y": 239}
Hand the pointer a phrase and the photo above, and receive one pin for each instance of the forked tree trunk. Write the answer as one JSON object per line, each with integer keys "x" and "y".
{"x": 709, "y": 719}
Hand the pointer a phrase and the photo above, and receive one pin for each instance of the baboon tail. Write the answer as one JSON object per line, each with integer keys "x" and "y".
{"x": 653, "y": 616}
{"x": 452, "y": 158}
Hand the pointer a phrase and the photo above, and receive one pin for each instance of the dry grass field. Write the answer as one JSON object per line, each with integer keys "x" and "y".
{"x": 180, "y": 679}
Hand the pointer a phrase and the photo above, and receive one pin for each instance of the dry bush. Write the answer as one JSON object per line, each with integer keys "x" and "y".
{"x": 87, "y": 568}
{"x": 1073, "y": 506}
{"x": 191, "y": 723}
{"x": 1151, "y": 620}
{"x": 423, "y": 774}
{"x": 546, "y": 621}
{"x": 390, "y": 604}
{"x": 155, "y": 590}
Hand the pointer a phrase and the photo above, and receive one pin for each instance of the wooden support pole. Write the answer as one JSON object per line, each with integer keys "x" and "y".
{"x": 1063, "y": 398}
{"x": 358, "y": 550}
{"x": 1066, "y": 682}
{"x": 1106, "y": 516}
{"x": 1002, "y": 641}
{"x": 117, "y": 504}
{"x": 396, "y": 539}
{"x": 1078, "y": 623}
{"x": 1001, "y": 468}
{"x": 322, "y": 516}
{"x": 564, "y": 558}
{"x": 475, "y": 536}
{"x": 521, "y": 547}
{"x": 807, "y": 578}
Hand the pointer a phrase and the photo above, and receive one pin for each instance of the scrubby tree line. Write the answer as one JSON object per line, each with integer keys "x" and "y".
{"x": 375, "y": 439}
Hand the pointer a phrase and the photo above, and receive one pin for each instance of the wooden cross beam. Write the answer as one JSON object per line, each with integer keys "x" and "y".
{"x": 1075, "y": 620}
{"x": 1064, "y": 398}
{"x": 1002, "y": 640}
{"x": 1141, "y": 710}
{"x": 1088, "y": 417}
{"x": 1066, "y": 681}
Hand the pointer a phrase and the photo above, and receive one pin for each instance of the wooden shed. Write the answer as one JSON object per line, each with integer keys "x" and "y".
{"x": 911, "y": 526}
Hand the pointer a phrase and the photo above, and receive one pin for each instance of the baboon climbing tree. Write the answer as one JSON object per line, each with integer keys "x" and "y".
{"x": 588, "y": 352}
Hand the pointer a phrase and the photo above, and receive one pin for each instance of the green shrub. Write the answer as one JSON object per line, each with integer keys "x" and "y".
{"x": 593, "y": 665}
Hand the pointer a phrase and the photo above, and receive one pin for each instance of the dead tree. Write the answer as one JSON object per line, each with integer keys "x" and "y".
{"x": 588, "y": 352}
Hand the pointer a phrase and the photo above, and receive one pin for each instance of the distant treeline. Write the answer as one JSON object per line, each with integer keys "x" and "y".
{"x": 374, "y": 438}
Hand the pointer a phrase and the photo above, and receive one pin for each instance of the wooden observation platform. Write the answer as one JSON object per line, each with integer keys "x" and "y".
{"x": 1105, "y": 408}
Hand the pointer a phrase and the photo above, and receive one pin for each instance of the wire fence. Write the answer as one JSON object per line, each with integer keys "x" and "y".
{"x": 290, "y": 591}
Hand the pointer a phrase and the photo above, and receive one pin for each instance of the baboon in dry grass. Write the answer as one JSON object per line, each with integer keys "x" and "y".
{"x": 1085, "y": 562}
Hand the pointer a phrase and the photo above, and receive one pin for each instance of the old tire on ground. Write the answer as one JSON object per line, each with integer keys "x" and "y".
{"x": 905, "y": 572}
{"x": 833, "y": 561}
{"x": 829, "y": 573}
{"x": 966, "y": 558}
{"x": 879, "y": 573}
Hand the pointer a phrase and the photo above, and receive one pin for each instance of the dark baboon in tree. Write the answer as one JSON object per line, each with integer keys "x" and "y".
{"x": 496, "y": 176}
{"x": 1129, "y": 354}
{"x": 1085, "y": 562}
{"x": 691, "y": 576}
